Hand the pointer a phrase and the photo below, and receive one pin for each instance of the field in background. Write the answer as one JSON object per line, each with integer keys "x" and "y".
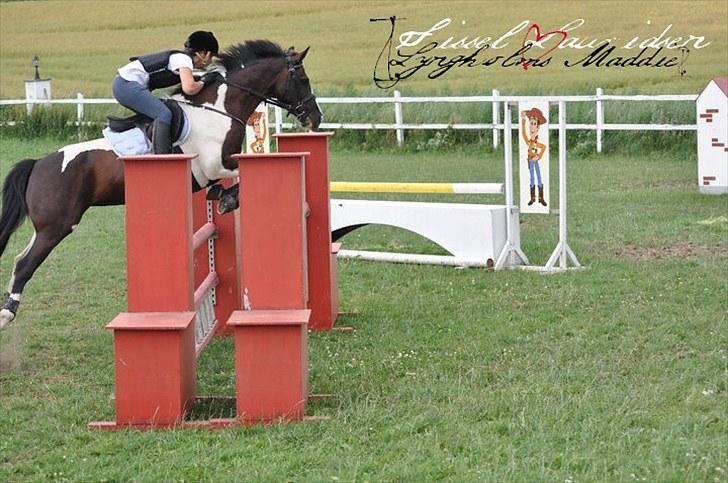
{"x": 82, "y": 43}
{"x": 614, "y": 373}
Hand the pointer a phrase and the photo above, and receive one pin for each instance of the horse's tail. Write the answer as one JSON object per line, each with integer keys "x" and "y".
{"x": 14, "y": 208}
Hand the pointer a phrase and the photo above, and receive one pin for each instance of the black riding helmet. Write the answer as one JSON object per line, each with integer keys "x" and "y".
{"x": 202, "y": 41}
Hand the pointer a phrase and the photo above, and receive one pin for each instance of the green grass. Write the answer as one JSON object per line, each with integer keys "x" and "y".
{"x": 615, "y": 373}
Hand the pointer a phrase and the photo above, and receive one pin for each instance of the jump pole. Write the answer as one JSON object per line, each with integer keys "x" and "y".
{"x": 419, "y": 188}
{"x": 511, "y": 251}
{"x": 562, "y": 253}
{"x": 322, "y": 276}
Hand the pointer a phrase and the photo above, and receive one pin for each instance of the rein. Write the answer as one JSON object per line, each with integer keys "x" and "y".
{"x": 218, "y": 111}
{"x": 297, "y": 110}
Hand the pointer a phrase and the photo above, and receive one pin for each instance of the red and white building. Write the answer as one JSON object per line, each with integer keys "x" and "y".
{"x": 712, "y": 105}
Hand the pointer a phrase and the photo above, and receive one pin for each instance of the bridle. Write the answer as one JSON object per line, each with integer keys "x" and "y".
{"x": 299, "y": 110}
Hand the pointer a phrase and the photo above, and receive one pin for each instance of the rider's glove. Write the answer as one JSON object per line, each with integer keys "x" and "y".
{"x": 211, "y": 77}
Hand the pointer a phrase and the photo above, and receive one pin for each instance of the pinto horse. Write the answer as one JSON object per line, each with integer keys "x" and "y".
{"x": 55, "y": 191}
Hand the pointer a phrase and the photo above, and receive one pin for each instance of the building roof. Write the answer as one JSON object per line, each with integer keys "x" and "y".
{"x": 722, "y": 83}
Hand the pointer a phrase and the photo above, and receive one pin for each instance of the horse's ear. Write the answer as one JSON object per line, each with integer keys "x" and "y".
{"x": 305, "y": 51}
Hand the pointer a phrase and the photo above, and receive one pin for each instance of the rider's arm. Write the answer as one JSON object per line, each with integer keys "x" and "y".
{"x": 189, "y": 85}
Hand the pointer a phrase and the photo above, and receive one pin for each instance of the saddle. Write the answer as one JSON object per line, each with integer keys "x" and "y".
{"x": 123, "y": 124}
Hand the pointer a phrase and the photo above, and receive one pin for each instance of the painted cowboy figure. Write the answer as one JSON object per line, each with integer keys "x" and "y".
{"x": 257, "y": 122}
{"x": 133, "y": 85}
{"x": 536, "y": 150}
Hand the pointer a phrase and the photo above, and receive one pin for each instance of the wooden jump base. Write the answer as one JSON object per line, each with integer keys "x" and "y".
{"x": 158, "y": 339}
{"x": 322, "y": 253}
{"x": 156, "y": 342}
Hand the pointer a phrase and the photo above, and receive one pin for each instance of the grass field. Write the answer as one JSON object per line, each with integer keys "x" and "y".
{"x": 82, "y": 43}
{"x": 615, "y": 373}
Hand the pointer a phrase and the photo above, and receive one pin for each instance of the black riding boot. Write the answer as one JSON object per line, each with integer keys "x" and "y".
{"x": 540, "y": 195}
{"x": 161, "y": 137}
{"x": 533, "y": 196}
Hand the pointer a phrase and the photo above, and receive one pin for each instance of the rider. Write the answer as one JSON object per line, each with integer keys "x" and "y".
{"x": 132, "y": 86}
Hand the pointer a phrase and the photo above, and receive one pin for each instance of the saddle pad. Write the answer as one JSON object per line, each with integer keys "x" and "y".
{"x": 128, "y": 143}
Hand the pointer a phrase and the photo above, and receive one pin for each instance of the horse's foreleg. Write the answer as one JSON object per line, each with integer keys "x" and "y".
{"x": 26, "y": 263}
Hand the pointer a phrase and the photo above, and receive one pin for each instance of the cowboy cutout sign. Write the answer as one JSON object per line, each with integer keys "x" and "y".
{"x": 256, "y": 131}
{"x": 533, "y": 157}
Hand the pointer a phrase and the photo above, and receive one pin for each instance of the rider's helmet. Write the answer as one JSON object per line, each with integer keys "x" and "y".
{"x": 202, "y": 41}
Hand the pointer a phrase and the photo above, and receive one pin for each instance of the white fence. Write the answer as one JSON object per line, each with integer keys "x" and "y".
{"x": 400, "y": 126}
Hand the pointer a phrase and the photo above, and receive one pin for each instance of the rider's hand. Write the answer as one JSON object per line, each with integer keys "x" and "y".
{"x": 211, "y": 77}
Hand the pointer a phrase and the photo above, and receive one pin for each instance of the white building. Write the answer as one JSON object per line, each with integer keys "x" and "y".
{"x": 712, "y": 105}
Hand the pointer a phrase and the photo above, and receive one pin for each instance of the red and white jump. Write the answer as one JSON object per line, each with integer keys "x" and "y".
{"x": 273, "y": 273}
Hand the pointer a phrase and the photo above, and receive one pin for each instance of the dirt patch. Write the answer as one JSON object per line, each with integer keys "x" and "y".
{"x": 679, "y": 250}
{"x": 657, "y": 184}
{"x": 11, "y": 349}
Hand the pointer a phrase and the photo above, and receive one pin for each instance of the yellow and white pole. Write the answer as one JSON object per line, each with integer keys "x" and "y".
{"x": 438, "y": 188}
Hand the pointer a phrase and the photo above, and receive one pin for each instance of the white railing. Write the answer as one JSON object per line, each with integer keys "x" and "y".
{"x": 400, "y": 126}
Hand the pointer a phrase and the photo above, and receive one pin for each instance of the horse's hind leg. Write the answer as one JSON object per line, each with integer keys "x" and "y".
{"x": 26, "y": 263}
{"x": 11, "y": 300}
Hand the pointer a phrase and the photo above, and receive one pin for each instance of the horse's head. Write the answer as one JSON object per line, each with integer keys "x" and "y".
{"x": 294, "y": 89}
{"x": 263, "y": 70}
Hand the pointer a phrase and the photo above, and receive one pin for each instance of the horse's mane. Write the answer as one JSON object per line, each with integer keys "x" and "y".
{"x": 237, "y": 56}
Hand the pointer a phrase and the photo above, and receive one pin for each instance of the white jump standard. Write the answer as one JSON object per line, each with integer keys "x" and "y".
{"x": 474, "y": 234}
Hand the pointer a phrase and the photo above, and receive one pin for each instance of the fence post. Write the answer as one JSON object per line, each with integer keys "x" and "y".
{"x": 278, "y": 119}
{"x": 79, "y": 113}
{"x": 600, "y": 118}
{"x": 398, "y": 118}
{"x": 496, "y": 117}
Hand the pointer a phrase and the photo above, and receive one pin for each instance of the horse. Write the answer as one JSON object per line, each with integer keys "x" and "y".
{"x": 55, "y": 191}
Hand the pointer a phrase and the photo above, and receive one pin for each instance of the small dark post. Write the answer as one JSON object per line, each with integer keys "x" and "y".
{"x": 36, "y": 64}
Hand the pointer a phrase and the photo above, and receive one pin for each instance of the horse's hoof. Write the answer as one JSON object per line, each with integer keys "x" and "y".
{"x": 227, "y": 204}
{"x": 229, "y": 200}
{"x": 8, "y": 309}
{"x": 223, "y": 208}
{"x": 5, "y": 317}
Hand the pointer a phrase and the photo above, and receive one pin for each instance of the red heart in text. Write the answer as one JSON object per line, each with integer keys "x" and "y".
{"x": 559, "y": 34}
